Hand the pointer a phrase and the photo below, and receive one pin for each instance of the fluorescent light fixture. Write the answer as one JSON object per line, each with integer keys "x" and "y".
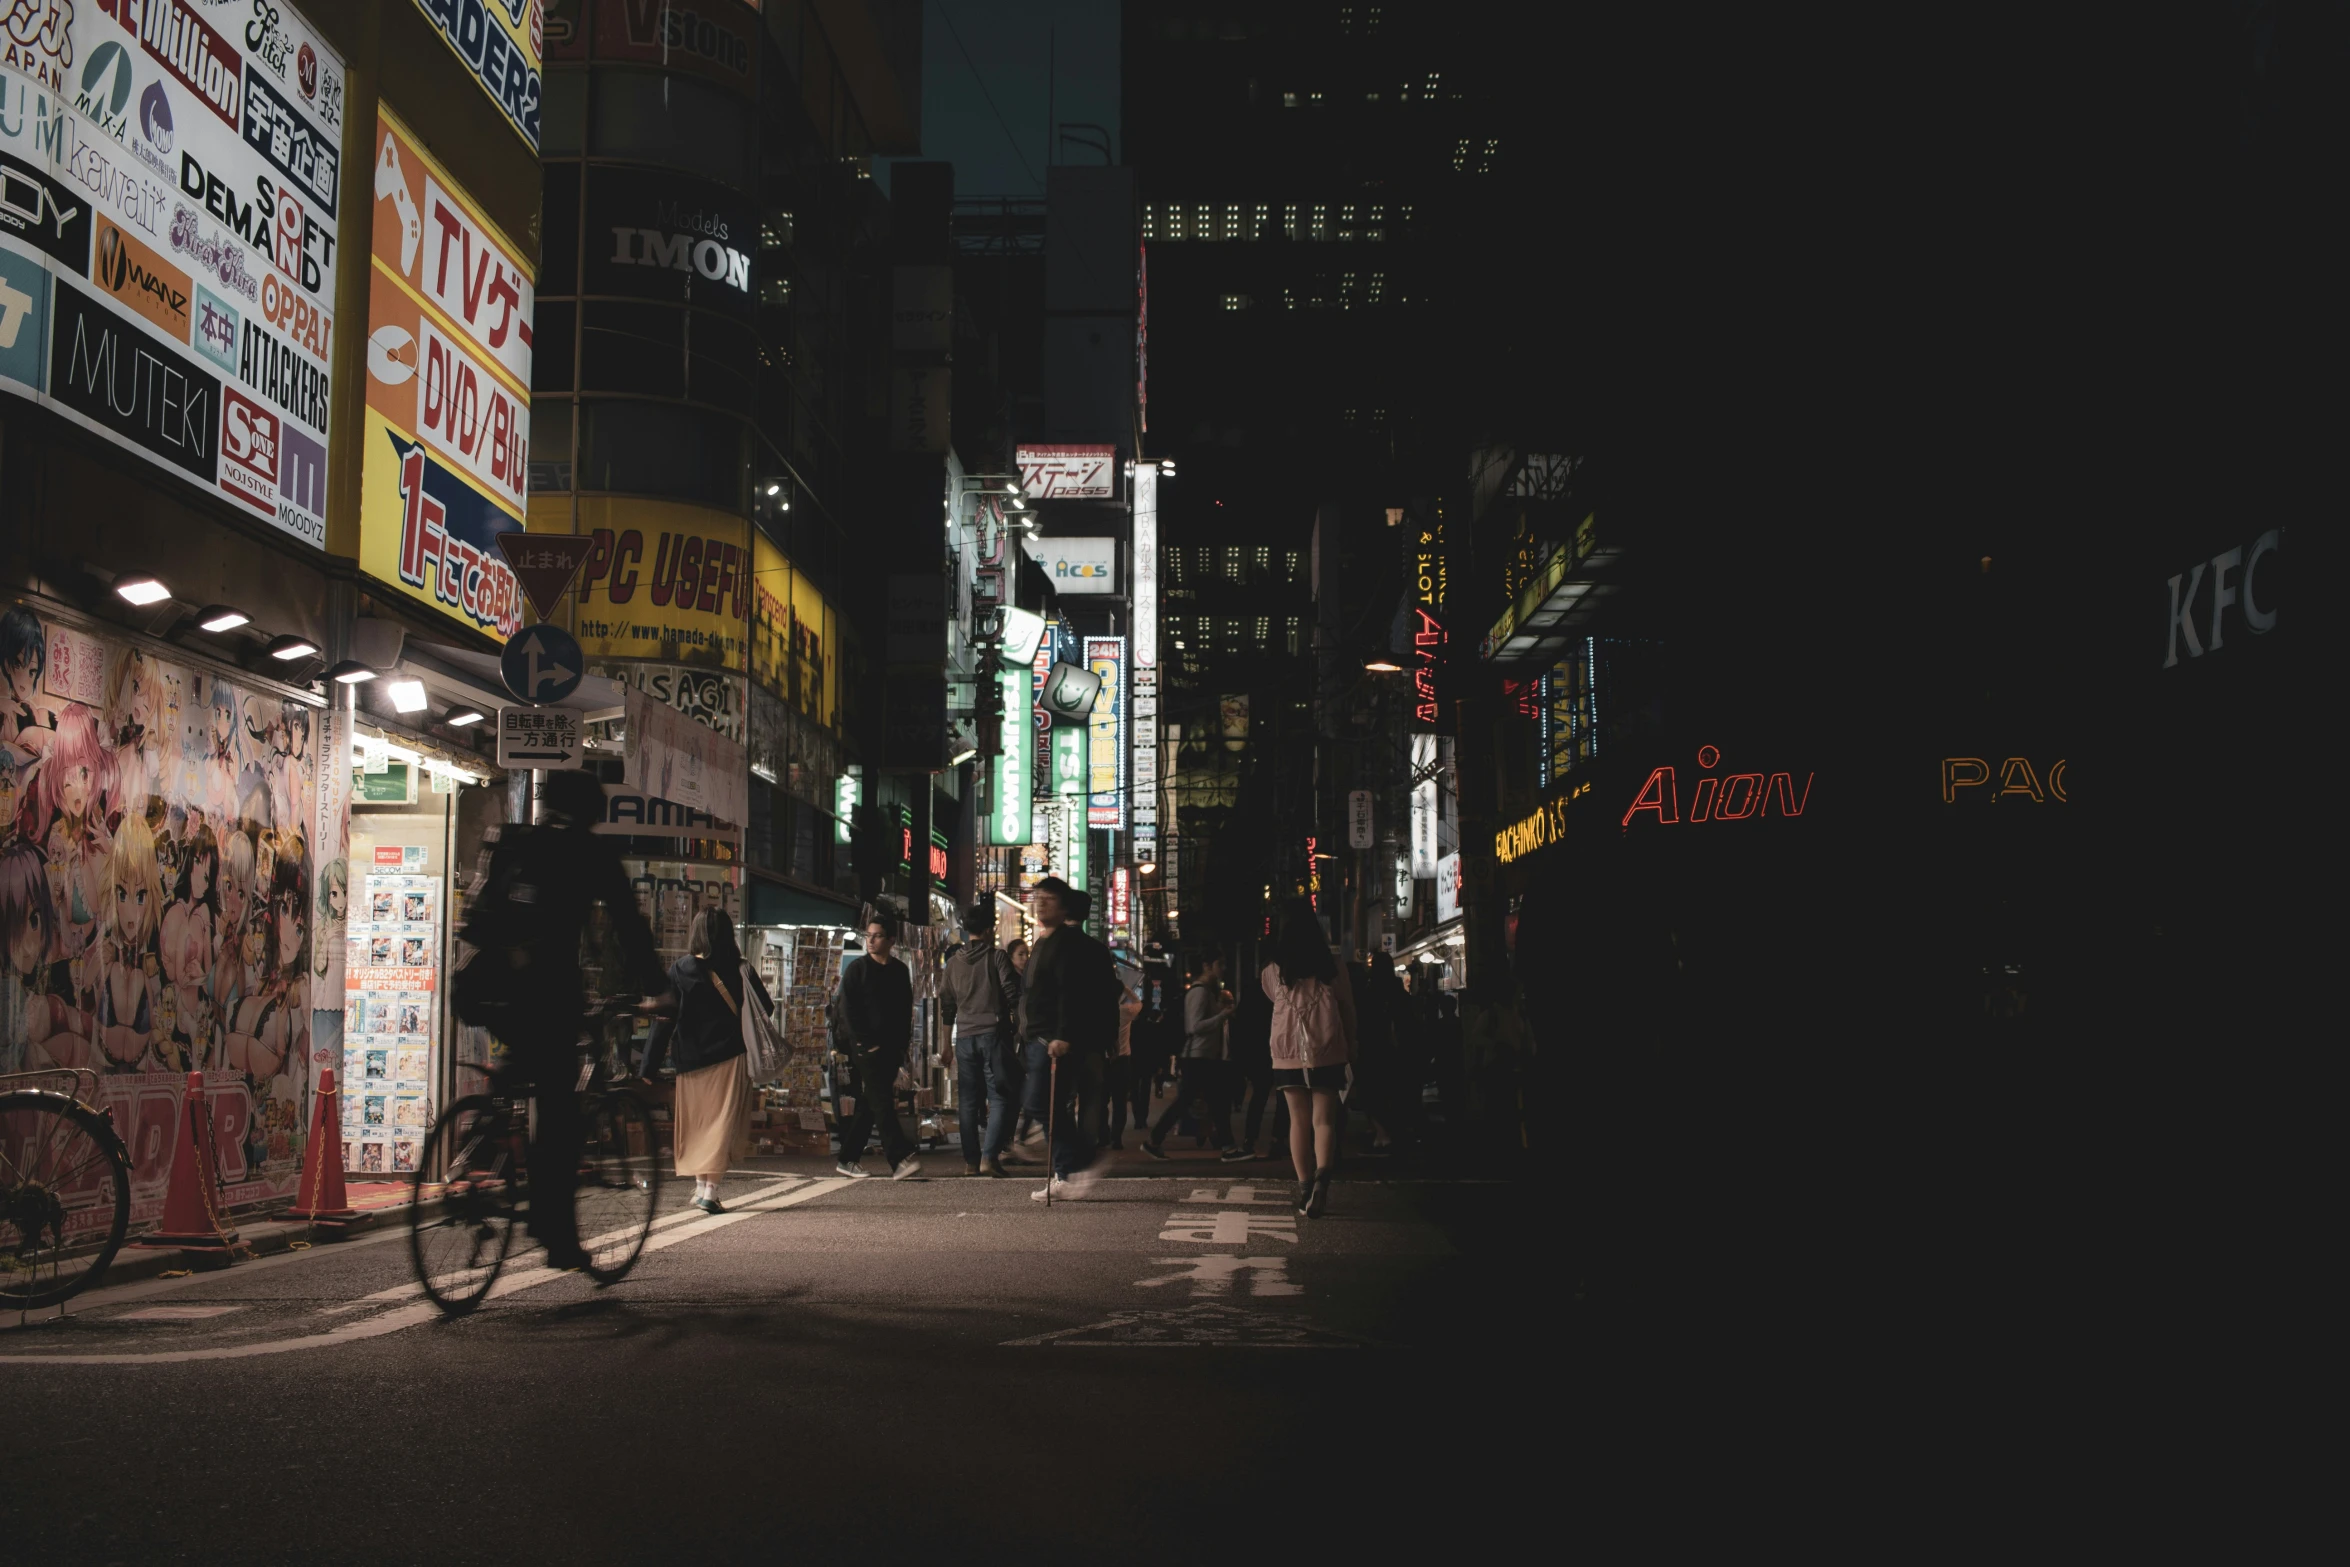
{"x": 140, "y": 590}
{"x": 1383, "y": 666}
{"x": 762, "y": 770}
{"x": 220, "y": 617}
{"x": 1167, "y": 467}
{"x": 459, "y": 717}
{"x": 961, "y": 757}
{"x": 290, "y": 647}
{"x": 774, "y": 489}
{"x": 408, "y": 696}
{"x": 350, "y": 672}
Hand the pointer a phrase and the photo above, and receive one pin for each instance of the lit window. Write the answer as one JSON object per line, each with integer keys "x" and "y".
{"x": 1264, "y": 556}
{"x": 1264, "y": 216}
{"x": 1232, "y": 562}
{"x": 1321, "y": 224}
{"x": 1290, "y": 566}
{"x": 1289, "y": 100}
{"x": 1207, "y": 562}
{"x": 1204, "y": 223}
{"x": 1314, "y": 97}
{"x": 1150, "y": 222}
{"x": 1264, "y": 631}
{"x": 1294, "y": 636}
{"x": 1236, "y": 301}
{"x": 1460, "y": 155}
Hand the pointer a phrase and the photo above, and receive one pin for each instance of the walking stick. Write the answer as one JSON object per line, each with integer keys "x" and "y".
{"x": 1051, "y": 1106}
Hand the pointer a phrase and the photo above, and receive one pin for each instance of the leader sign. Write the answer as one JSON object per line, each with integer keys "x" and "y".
{"x": 182, "y": 214}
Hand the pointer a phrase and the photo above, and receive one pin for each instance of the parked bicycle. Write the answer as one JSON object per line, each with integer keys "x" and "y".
{"x": 65, "y": 1187}
{"x": 479, "y": 1151}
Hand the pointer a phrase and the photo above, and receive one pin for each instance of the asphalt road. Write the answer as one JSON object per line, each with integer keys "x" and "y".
{"x": 1175, "y": 1368}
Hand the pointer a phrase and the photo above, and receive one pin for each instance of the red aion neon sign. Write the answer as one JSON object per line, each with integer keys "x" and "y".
{"x": 1730, "y": 797}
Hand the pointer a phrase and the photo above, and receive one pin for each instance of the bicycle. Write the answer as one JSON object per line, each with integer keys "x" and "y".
{"x": 480, "y": 1147}
{"x": 65, "y": 1189}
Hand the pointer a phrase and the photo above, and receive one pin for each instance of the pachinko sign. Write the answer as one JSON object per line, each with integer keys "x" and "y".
{"x": 503, "y": 43}
{"x": 158, "y": 890}
{"x": 169, "y": 197}
{"x": 448, "y": 393}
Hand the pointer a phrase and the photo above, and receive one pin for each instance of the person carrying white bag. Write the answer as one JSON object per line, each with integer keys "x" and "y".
{"x": 722, "y": 1034}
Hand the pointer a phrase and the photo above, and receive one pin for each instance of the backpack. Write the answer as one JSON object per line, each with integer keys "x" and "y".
{"x": 486, "y": 987}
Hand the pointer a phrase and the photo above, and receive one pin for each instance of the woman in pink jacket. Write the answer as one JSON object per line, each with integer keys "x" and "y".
{"x": 1313, "y": 1042}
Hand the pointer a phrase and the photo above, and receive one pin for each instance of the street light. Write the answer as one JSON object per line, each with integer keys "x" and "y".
{"x": 1383, "y": 665}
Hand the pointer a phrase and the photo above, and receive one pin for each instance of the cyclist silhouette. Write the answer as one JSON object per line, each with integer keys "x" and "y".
{"x": 529, "y": 907}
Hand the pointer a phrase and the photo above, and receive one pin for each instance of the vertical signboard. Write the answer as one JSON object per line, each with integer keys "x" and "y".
{"x": 1105, "y": 762}
{"x": 1143, "y": 779}
{"x": 502, "y": 43}
{"x": 1007, "y": 820}
{"x": 448, "y": 393}
{"x": 1144, "y": 567}
{"x": 1424, "y": 806}
{"x": 167, "y": 240}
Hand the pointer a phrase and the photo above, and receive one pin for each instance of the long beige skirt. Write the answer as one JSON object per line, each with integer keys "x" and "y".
{"x": 713, "y": 1117}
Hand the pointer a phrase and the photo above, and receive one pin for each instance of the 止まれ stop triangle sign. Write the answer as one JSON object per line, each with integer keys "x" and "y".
{"x": 545, "y": 564}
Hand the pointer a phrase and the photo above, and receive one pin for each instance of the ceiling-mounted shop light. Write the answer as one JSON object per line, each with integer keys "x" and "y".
{"x": 141, "y": 590}
{"x": 350, "y": 672}
{"x": 408, "y": 696}
{"x": 289, "y": 647}
{"x": 459, "y": 717}
{"x": 217, "y": 618}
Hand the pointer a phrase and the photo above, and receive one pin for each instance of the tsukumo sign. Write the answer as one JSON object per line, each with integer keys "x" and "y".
{"x": 448, "y": 392}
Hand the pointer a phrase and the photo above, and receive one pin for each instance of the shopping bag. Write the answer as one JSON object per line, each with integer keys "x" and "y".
{"x": 764, "y": 1047}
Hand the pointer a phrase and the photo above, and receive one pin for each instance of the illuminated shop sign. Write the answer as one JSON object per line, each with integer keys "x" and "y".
{"x": 1971, "y": 778}
{"x": 1730, "y": 797}
{"x": 1538, "y": 831}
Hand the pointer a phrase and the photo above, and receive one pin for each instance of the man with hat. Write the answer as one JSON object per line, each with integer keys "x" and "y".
{"x": 1069, "y": 1016}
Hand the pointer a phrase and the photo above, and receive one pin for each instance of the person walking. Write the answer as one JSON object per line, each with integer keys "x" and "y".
{"x": 877, "y": 1002}
{"x": 979, "y": 992}
{"x": 703, "y": 1033}
{"x": 1249, "y": 1042}
{"x": 1312, "y": 1040}
{"x": 1118, "y": 1073}
{"x": 1069, "y": 1015}
{"x": 1207, "y": 1008}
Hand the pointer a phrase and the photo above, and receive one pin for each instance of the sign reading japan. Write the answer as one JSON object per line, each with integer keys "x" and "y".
{"x": 167, "y": 240}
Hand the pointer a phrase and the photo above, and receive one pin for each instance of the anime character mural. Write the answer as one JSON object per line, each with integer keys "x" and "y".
{"x": 156, "y": 888}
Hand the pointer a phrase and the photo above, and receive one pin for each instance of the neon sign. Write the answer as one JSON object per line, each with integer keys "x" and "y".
{"x": 1734, "y": 797}
{"x": 2015, "y": 778}
{"x": 1538, "y": 831}
{"x": 1428, "y": 585}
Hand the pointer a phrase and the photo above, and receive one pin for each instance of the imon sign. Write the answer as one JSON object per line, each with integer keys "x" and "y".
{"x": 1069, "y": 473}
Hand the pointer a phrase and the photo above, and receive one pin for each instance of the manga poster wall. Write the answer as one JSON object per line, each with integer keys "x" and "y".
{"x": 156, "y": 896}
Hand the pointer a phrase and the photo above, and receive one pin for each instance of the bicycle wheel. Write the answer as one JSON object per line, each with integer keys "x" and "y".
{"x": 619, "y": 1183}
{"x": 460, "y": 1246}
{"x": 65, "y": 1197}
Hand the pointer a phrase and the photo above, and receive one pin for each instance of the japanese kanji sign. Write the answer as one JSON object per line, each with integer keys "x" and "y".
{"x": 545, "y": 563}
{"x": 538, "y": 737}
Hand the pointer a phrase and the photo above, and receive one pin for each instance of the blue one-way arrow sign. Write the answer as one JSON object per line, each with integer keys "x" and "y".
{"x": 542, "y": 664}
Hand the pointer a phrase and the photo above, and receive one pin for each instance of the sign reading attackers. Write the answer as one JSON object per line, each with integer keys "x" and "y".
{"x": 448, "y": 402}
{"x": 182, "y": 204}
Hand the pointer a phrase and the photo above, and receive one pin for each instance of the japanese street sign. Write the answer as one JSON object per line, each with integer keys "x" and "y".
{"x": 539, "y": 737}
{"x": 545, "y": 564}
{"x": 1358, "y": 819}
{"x": 542, "y": 663}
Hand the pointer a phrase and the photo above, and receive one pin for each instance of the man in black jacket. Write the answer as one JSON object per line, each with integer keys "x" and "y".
{"x": 877, "y": 997}
{"x": 1069, "y": 1001}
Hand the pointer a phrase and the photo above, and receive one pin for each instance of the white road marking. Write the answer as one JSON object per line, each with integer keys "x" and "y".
{"x": 1216, "y": 1274}
{"x": 176, "y": 1313}
{"x": 413, "y": 1288}
{"x": 1242, "y": 1194}
{"x": 1229, "y": 1229}
{"x": 421, "y": 1311}
{"x": 1193, "y": 1328}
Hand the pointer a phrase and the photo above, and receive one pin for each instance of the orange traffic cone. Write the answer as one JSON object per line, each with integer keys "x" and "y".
{"x": 191, "y": 1211}
{"x": 321, "y": 1199}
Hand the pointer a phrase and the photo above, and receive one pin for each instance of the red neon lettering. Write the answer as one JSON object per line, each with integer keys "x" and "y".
{"x": 1783, "y": 790}
{"x": 1747, "y": 804}
{"x": 1660, "y": 794}
{"x": 1701, "y": 803}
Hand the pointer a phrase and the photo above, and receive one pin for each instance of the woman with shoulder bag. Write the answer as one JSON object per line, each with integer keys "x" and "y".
{"x": 711, "y": 1114}
{"x": 1313, "y": 1039}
